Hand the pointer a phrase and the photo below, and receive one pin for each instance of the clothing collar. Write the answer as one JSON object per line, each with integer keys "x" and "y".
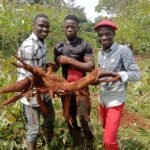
{"x": 36, "y": 39}
{"x": 74, "y": 41}
{"x": 112, "y": 48}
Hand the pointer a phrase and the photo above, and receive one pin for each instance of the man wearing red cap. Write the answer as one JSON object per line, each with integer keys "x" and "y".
{"x": 119, "y": 59}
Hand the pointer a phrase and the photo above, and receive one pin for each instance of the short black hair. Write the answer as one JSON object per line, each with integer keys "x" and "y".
{"x": 72, "y": 17}
{"x": 39, "y": 16}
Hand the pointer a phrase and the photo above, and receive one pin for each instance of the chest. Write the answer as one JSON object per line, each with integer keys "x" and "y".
{"x": 75, "y": 52}
{"x": 110, "y": 61}
{"x": 39, "y": 50}
{"x": 39, "y": 55}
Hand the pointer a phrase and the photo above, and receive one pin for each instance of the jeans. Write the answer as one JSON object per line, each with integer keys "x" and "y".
{"x": 32, "y": 115}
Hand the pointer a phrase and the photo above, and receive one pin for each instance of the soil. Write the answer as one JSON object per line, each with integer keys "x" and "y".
{"x": 139, "y": 57}
{"x": 134, "y": 120}
{"x": 130, "y": 119}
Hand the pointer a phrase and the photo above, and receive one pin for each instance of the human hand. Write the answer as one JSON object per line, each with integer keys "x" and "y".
{"x": 60, "y": 92}
{"x": 52, "y": 65}
{"x": 105, "y": 76}
{"x": 63, "y": 59}
{"x": 112, "y": 78}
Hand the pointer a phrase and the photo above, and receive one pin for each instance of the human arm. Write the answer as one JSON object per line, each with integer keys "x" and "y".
{"x": 105, "y": 76}
{"x": 25, "y": 52}
{"x": 57, "y": 51}
{"x": 132, "y": 72}
{"x": 86, "y": 65}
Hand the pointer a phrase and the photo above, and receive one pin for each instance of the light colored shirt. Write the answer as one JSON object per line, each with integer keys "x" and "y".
{"x": 118, "y": 59}
{"x": 33, "y": 52}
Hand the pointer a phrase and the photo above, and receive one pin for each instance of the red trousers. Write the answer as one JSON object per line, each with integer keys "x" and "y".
{"x": 110, "y": 122}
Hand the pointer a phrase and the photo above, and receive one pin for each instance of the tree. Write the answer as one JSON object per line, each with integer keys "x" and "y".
{"x": 76, "y": 10}
{"x": 114, "y": 7}
{"x": 133, "y": 20}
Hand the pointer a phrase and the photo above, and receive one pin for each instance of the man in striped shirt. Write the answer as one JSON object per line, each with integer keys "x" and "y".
{"x": 33, "y": 51}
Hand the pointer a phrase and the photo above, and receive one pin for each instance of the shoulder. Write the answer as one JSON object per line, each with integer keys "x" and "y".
{"x": 28, "y": 44}
{"x": 99, "y": 53}
{"x": 120, "y": 49}
{"x": 125, "y": 52}
{"x": 86, "y": 46}
{"x": 124, "y": 49}
{"x": 59, "y": 44}
{"x": 84, "y": 42}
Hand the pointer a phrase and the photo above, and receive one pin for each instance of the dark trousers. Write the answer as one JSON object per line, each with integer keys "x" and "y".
{"x": 81, "y": 106}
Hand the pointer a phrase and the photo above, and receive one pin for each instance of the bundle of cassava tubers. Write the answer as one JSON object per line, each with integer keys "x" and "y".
{"x": 45, "y": 81}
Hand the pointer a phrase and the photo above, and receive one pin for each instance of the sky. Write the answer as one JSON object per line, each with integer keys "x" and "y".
{"x": 89, "y": 6}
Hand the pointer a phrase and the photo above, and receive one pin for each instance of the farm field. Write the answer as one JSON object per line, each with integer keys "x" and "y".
{"x": 132, "y": 20}
{"x": 134, "y": 132}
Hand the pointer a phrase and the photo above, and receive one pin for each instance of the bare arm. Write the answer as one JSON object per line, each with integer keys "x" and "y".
{"x": 87, "y": 66}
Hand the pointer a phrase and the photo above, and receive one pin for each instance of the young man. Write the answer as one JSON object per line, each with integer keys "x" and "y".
{"x": 119, "y": 59}
{"x": 75, "y": 57}
{"x": 33, "y": 51}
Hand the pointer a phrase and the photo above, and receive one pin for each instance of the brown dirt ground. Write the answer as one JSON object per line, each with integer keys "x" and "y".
{"x": 130, "y": 119}
{"x": 134, "y": 120}
{"x": 139, "y": 58}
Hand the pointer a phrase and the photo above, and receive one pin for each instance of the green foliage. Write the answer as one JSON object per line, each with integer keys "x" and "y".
{"x": 76, "y": 10}
{"x": 139, "y": 93}
{"x": 12, "y": 122}
{"x": 114, "y": 6}
{"x": 133, "y": 20}
{"x": 129, "y": 139}
{"x": 16, "y": 25}
{"x": 134, "y": 26}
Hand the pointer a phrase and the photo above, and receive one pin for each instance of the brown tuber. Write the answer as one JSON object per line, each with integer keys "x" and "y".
{"x": 46, "y": 81}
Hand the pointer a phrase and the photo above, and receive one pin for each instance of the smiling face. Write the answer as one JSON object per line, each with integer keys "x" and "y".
{"x": 71, "y": 29}
{"x": 105, "y": 37}
{"x": 41, "y": 27}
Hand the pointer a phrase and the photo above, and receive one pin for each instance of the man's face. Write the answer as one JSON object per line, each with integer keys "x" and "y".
{"x": 71, "y": 28}
{"x": 41, "y": 27}
{"x": 105, "y": 36}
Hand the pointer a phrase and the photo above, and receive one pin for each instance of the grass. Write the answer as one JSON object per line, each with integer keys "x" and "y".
{"x": 12, "y": 122}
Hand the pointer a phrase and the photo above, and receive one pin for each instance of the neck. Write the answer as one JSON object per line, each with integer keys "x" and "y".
{"x": 71, "y": 40}
{"x": 105, "y": 48}
{"x": 41, "y": 40}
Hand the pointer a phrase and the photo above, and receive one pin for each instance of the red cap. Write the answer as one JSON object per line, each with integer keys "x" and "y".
{"x": 106, "y": 23}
